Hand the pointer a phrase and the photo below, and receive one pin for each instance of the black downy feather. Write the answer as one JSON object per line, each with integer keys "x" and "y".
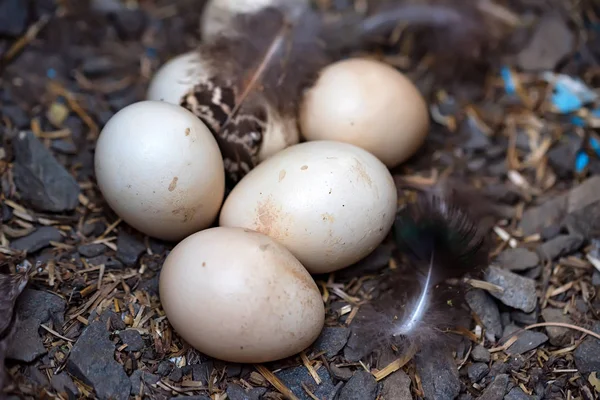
{"x": 440, "y": 242}
{"x": 256, "y": 77}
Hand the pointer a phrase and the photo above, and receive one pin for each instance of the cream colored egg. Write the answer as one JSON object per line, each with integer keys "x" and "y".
{"x": 239, "y": 296}
{"x": 329, "y": 203}
{"x": 369, "y": 104}
{"x": 160, "y": 169}
{"x": 176, "y": 77}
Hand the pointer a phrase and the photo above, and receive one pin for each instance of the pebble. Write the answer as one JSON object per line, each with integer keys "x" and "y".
{"x": 133, "y": 340}
{"x": 109, "y": 262}
{"x": 584, "y": 222}
{"x": 92, "y": 360}
{"x": 596, "y": 278}
{"x": 362, "y": 386}
{"x": 497, "y": 389}
{"x": 525, "y": 318}
{"x": 587, "y": 354}
{"x": 550, "y": 232}
{"x": 139, "y": 377}
{"x": 527, "y": 341}
{"x": 477, "y": 140}
{"x": 342, "y": 374}
{"x": 129, "y": 248}
{"x": 477, "y": 371}
{"x": 92, "y": 249}
{"x": 439, "y": 374}
{"x": 62, "y": 383}
{"x": 64, "y": 147}
{"x": 332, "y": 340}
{"x": 396, "y": 387}
{"x": 37, "y": 240}
{"x": 481, "y": 354}
{"x": 561, "y": 154}
{"x": 164, "y": 368}
{"x": 40, "y": 179}
{"x": 13, "y": 17}
{"x": 519, "y": 292}
{"x": 560, "y": 246}
{"x": 484, "y": 306}
{"x": 377, "y": 260}
{"x": 557, "y": 336}
{"x": 294, "y": 377}
{"x": 201, "y": 372}
{"x": 547, "y": 214}
{"x": 176, "y": 375}
{"x": 517, "y": 393}
{"x": 518, "y": 259}
{"x": 7, "y": 213}
{"x": 96, "y": 66}
{"x": 550, "y": 42}
{"x": 33, "y": 308}
{"x": 236, "y": 392}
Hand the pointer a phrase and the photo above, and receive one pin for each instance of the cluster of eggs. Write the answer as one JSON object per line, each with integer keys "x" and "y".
{"x": 243, "y": 291}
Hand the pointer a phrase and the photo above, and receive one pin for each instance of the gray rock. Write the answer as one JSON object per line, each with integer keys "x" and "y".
{"x": 496, "y": 390}
{"x": 487, "y": 310}
{"x": 547, "y": 214}
{"x": 40, "y": 179}
{"x": 164, "y": 368}
{"x": 92, "y": 250}
{"x": 477, "y": 371}
{"x": 584, "y": 222}
{"x": 519, "y": 292}
{"x": 13, "y": 17}
{"x": 176, "y": 375}
{"x": 200, "y": 397}
{"x": 342, "y": 374}
{"x": 63, "y": 383}
{"x": 525, "y": 318}
{"x": 517, "y": 393}
{"x": 64, "y": 147}
{"x": 129, "y": 248}
{"x": 39, "y": 239}
{"x": 33, "y": 308}
{"x": 109, "y": 262}
{"x": 587, "y": 354}
{"x": 557, "y": 336}
{"x": 374, "y": 262}
{"x": 332, "y": 340}
{"x": 439, "y": 374}
{"x": 550, "y": 232}
{"x": 201, "y": 372}
{"x": 294, "y": 377}
{"x": 92, "y": 360}
{"x": 519, "y": 259}
{"x": 477, "y": 139}
{"x": 584, "y": 194}
{"x": 527, "y": 341}
{"x": 236, "y": 392}
{"x": 596, "y": 278}
{"x": 481, "y": 354}
{"x": 560, "y": 246}
{"x": 396, "y": 387}
{"x": 141, "y": 379}
{"x": 133, "y": 340}
{"x": 362, "y": 386}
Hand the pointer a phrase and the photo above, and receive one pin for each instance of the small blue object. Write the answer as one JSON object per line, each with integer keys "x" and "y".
{"x": 595, "y": 146}
{"x": 581, "y": 161}
{"x": 509, "y": 83}
{"x": 51, "y": 73}
{"x": 570, "y": 94}
{"x": 565, "y": 100}
{"x": 578, "y": 121}
{"x": 151, "y": 52}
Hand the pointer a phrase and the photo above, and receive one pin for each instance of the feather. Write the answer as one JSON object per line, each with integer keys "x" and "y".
{"x": 253, "y": 79}
{"x": 440, "y": 242}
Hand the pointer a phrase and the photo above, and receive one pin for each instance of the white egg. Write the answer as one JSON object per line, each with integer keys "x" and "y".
{"x": 369, "y": 104}
{"x": 160, "y": 169}
{"x": 176, "y": 77}
{"x": 329, "y": 203}
{"x": 239, "y": 296}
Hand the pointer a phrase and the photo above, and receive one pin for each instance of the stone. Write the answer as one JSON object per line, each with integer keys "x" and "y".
{"x": 201, "y": 372}
{"x": 129, "y": 248}
{"x": 527, "y": 341}
{"x": 484, "y": 306}
{"x": 236, "y": 392}
{"x": 13, "y": 17}
{"x": 332, "y": 340}
{"x": 550, "y": 232}
{"x": 481, "y": 354}
{"x": 497, "y": 389}
{"x": 518, "y": 259}
{"x": 64, "y": 147}
{"x": 517, "y": 393}
{"x": 176, "y": 375}
{"x": 525, "y": 318}
{"x": 141, "y": 379}
{"x": 109, "y": 262}
{"x": 519, "y": 292}
{"x": 33, "y": 308}
{"x": 552, "y": 212}
{"x": 63, "y": 383}
{"x": 560, "y": 246}
{"x": 40, "y": 179}
{"x": 396, "y": 387}
{"x": 164, "y": 368}
{"x": 133, "y": 340}
{"x": 342, "y": 374}
{"x": 584, "y": 194}
{"x": 92, "y": 360}
{"x": 477, "y": 371}
{"x": 439, "y": 373}
{"x": 294, "y": 377}
{"x": 377, "y": 260}
{"x": 37, "y": 240}
{"x": 584, "y": 222}
{"x": 477, "y": 139}
{"x": 587, "y": 354}
{"x": 557, "y": 336}
{"x": 92, "y": 250}
{"x": 362, "y": 386}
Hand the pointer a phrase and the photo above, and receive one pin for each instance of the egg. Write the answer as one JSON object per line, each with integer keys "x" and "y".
{"x": 160, "y": 169}
{"x": 330, "y": 203}
{"x": 369, "y": 104}
{"x": 239, "y": 296}
{"x": 176, "y": 77}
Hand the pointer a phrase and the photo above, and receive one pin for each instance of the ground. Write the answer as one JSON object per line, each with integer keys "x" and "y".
{"x": 89, "y": 323}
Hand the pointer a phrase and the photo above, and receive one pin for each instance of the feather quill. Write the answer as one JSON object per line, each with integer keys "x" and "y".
{"x": 440, "y": 242}
{"x": 253, "y": 80}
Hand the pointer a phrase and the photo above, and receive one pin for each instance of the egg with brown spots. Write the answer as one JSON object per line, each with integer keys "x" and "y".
{"x": 160, "y": 169}
{"x": 329, "y": 203}
{"x": 253, "y": 304}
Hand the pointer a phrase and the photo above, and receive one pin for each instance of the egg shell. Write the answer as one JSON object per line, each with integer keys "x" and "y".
{"x": 369, "y": 104}
{"x": 160, "y": 169}
{"x": 239, "y": 296}
{"x": 329, "y": 203}
{"x": 176, "y": 77}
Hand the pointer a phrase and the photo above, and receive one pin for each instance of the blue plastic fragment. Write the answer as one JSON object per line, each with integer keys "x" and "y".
{"x": 581, "y": 161}
{"x": 151, "y": 52}
{"x": 509, "y": 83}
{"x": 570, "y": 93}
{"x": 595, "y": 146}
{"x": 51, "y": 73}
{"x": 564, "y": 100}
{"x": 578, "y": 121}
